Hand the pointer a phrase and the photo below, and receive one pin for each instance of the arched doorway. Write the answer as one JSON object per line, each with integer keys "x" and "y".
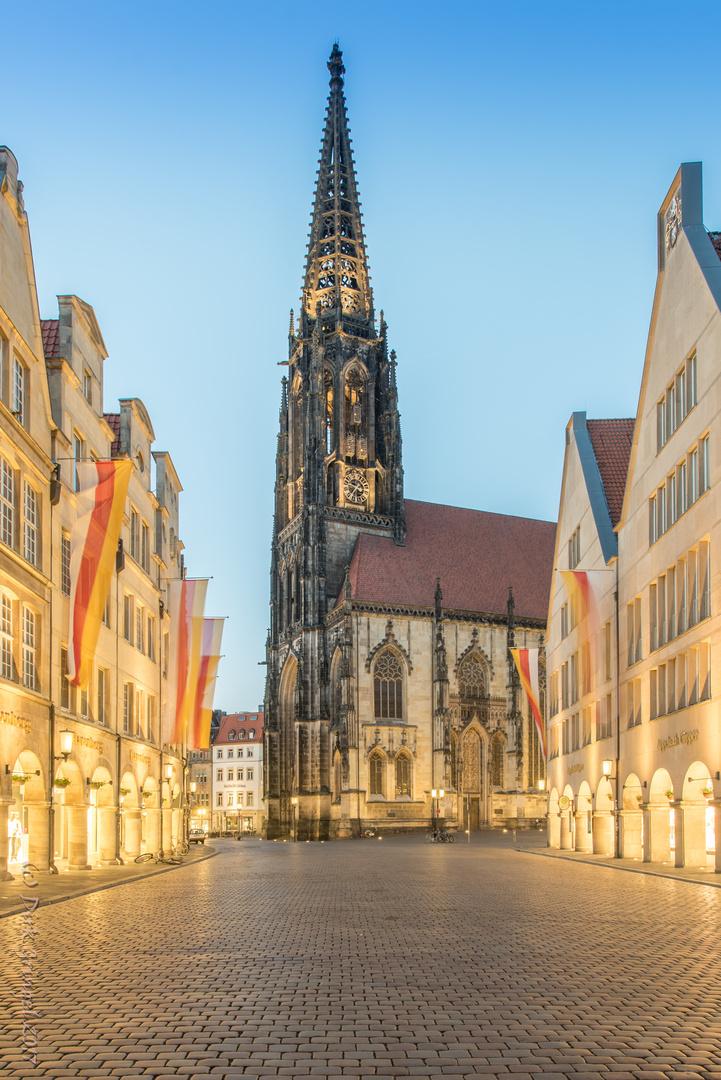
{"x": 659, "y": 823}
{"x": 583, "y": 834}
{"x": 27, "y": 817}
{"x": 695, "y": 819}
{"x": 71, "y": 818}
{"x": 631, "y": 819}
{"x": 472, "y": 778}
{"x": 604, "y": 821}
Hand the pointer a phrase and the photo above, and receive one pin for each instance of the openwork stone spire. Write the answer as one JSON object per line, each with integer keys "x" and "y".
{"x": 336, "y": 273}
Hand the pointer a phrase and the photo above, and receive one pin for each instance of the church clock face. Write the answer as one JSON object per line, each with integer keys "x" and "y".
{"x": 355, "y": 486}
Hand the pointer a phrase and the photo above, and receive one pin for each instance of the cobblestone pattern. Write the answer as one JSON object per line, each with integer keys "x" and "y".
{"x": 375, "y": 959}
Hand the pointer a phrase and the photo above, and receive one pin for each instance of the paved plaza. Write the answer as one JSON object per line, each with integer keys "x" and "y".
{"x": 372, "y": 958}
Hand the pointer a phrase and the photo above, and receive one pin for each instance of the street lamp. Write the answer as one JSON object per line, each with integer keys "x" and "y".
{"x": 437, "y": 794}
{"x": 294, "y": 803}
{"x": 66, "y": 745}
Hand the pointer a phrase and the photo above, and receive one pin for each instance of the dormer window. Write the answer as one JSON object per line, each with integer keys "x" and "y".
{"x": 251, "y": 733}
{"x": 231, "y": 734}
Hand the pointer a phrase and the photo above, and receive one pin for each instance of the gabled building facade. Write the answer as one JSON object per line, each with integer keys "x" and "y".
{"x": 389, "y": 676}
{"x": 119, "y": 789}
{"x": 237, "y": 774}
{"x": 663, "y": 773}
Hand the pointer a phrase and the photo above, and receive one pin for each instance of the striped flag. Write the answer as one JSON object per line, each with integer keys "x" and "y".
{"x": 526, "y": 661}
{"x": 187, "y": 600}
{"x": 102, "y": 489}
{"x": 199, "y": 733}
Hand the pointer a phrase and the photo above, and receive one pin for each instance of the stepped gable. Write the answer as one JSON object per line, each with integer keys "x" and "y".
{"x": 611, "y": 441}
{"x": 477, "y": 555}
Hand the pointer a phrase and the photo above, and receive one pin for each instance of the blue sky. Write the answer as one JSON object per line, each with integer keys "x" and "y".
{"x": 511, "y": 159}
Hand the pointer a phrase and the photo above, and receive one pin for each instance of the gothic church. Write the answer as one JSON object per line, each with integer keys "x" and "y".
{"x": 388, "y": 675}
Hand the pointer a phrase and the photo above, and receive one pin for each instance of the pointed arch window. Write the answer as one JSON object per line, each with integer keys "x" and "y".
{"x": 388, "y": 686}
{"x": 377, "y": 768}
{"x": 403, "y": 776}
{"x": 328, "y": 390}
{"x": 497, "y": 761}
{"x": 472, "y": 686}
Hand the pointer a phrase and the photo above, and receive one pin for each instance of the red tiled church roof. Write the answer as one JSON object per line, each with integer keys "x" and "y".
{"x": 611, "y": 442}
{"x": 51, "y": 336}
{"x": 236, "y": 722}
{"x": 476, "y": 555}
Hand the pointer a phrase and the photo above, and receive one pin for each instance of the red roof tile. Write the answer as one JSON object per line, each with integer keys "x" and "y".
{"x": 51, "y": 336}
{"x": 611, "y": 442}
{"x": 476, "y": 555}
{"x": 238, "y": 722}
{"x": 113, "y": 419}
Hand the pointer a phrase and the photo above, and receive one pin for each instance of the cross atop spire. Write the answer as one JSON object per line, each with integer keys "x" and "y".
{"x": 336, "y": 271}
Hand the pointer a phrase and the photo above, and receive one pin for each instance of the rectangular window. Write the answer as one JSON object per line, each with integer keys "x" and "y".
{"x": 106, "y": 611}
{"x": 692, "y": 586}
{"x": 692, "y": 676}
{"x": 692, "y": 468}
{"x": 249, "y": 798}
{"x": 633, "y": 691}
{"x": 128, "y": 704}
{"x": 564, "y": 621}
{"x": 681, "y": 681}
{"x": 586, "y": 733}
{"x": 670, "y": 412}
{"x": 219, "y": 799}
{"x": 219, "y": 774}
{"x": 145, "y": 547}
{"x": 704, "y": 466}
{"x": 219, "y": 755}
{"x": 150, "y": 717}
{"x": 662, "y": 609}
{"x": 239, "y": 774}
{"x": 139, "y": 620}
{"x": 29, "y": 633}
{"x": 103, "y": 695}
{"x": 250, "y": 752}
{"x": 128, "y": 617}
{"x": 240, "y": 751}
{"x": 671, "y": 603}
{"x": 704, "y": 671}
{"x": 660, "y": 424}
{"x": 671, "y": 499}
{"x": 690, "y": 383}
{"x": 661, "y": 511}
{"x": 151, "y": 637}
{"x": 19, "y": 391}
{"x": 607, "y": 653}
{"x": 680, "y": 396}
{"x": 64, "y": 684}
{"x": 78, "y": 455}
{"x": 84, "y": 703}
{"x": 574, "y": 549}
{"x": 653, "y": 706}
{"x": 681, "y": 489}
{"x": 134, "y": 535}
{"x": 65, "y": 563}
{"x": 653, "y": 616}
{"x": 671, "y": 686}
{"x": 88, "y": 386}
{"x": 249, "y": 774}
{"x": 230, "y": 752}
{"x": 30, "y": 525}
{"x": 574, "y": 732}
{"x": 230, "y": 774}
{"x": 637, "y": 626}
{"x": 7, "y": 503}
{"x": 6, "y": 637}
{"x": 166, "y": 651}
{"x": 652, "y": 521}
{"x": 704, "y": 579}
{"x": 681, "y": 593}
{"x": 676, "y": 404}
{"x": 230, "y": 798}
{"x": 574, "y": 678}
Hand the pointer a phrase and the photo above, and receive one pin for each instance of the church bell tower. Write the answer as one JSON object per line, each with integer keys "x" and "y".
{"x": 338, "y": 473}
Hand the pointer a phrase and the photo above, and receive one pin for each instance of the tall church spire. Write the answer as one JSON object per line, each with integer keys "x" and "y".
{"x": 336, "y": 271}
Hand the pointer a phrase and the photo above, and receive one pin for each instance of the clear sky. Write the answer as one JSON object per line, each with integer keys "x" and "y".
{"x": 511, "y": 158}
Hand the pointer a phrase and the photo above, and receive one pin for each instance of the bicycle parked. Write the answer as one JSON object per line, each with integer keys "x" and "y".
{"x": 440, "y": 836}
{"x": 173, "y": 858}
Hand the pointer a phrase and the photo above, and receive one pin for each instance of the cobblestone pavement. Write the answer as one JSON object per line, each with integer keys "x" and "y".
{"x": 373, "y": 959}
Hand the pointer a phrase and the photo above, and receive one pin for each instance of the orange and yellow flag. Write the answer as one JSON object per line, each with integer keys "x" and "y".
{"x": 199, "y": 732}
{"x": 187, "y": 600}
{"x": 102, "y": 488}
{"x": 526, "y": 661}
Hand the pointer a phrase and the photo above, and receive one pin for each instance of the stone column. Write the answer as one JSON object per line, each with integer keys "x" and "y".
{"x": 152, "y": 830}
{"x": 107, "y": 825}
{"x": 167, "y": 830}
{"x": 582, "y": 836}
{"x": 132, "y": 832}
{"x": 716, "y": 803}
{"x": 630, "y": 825}
{"x": 554, "y": 830}
{"x": 604, "y": 828}
{"x": 566, "y": 831}
{"x": 5, "y": 805}
{"x": 656, "y": 833}
{"x": 39, "y": 834}
{"x": 690, "y": 821}
{"x": 77, "y": 836}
